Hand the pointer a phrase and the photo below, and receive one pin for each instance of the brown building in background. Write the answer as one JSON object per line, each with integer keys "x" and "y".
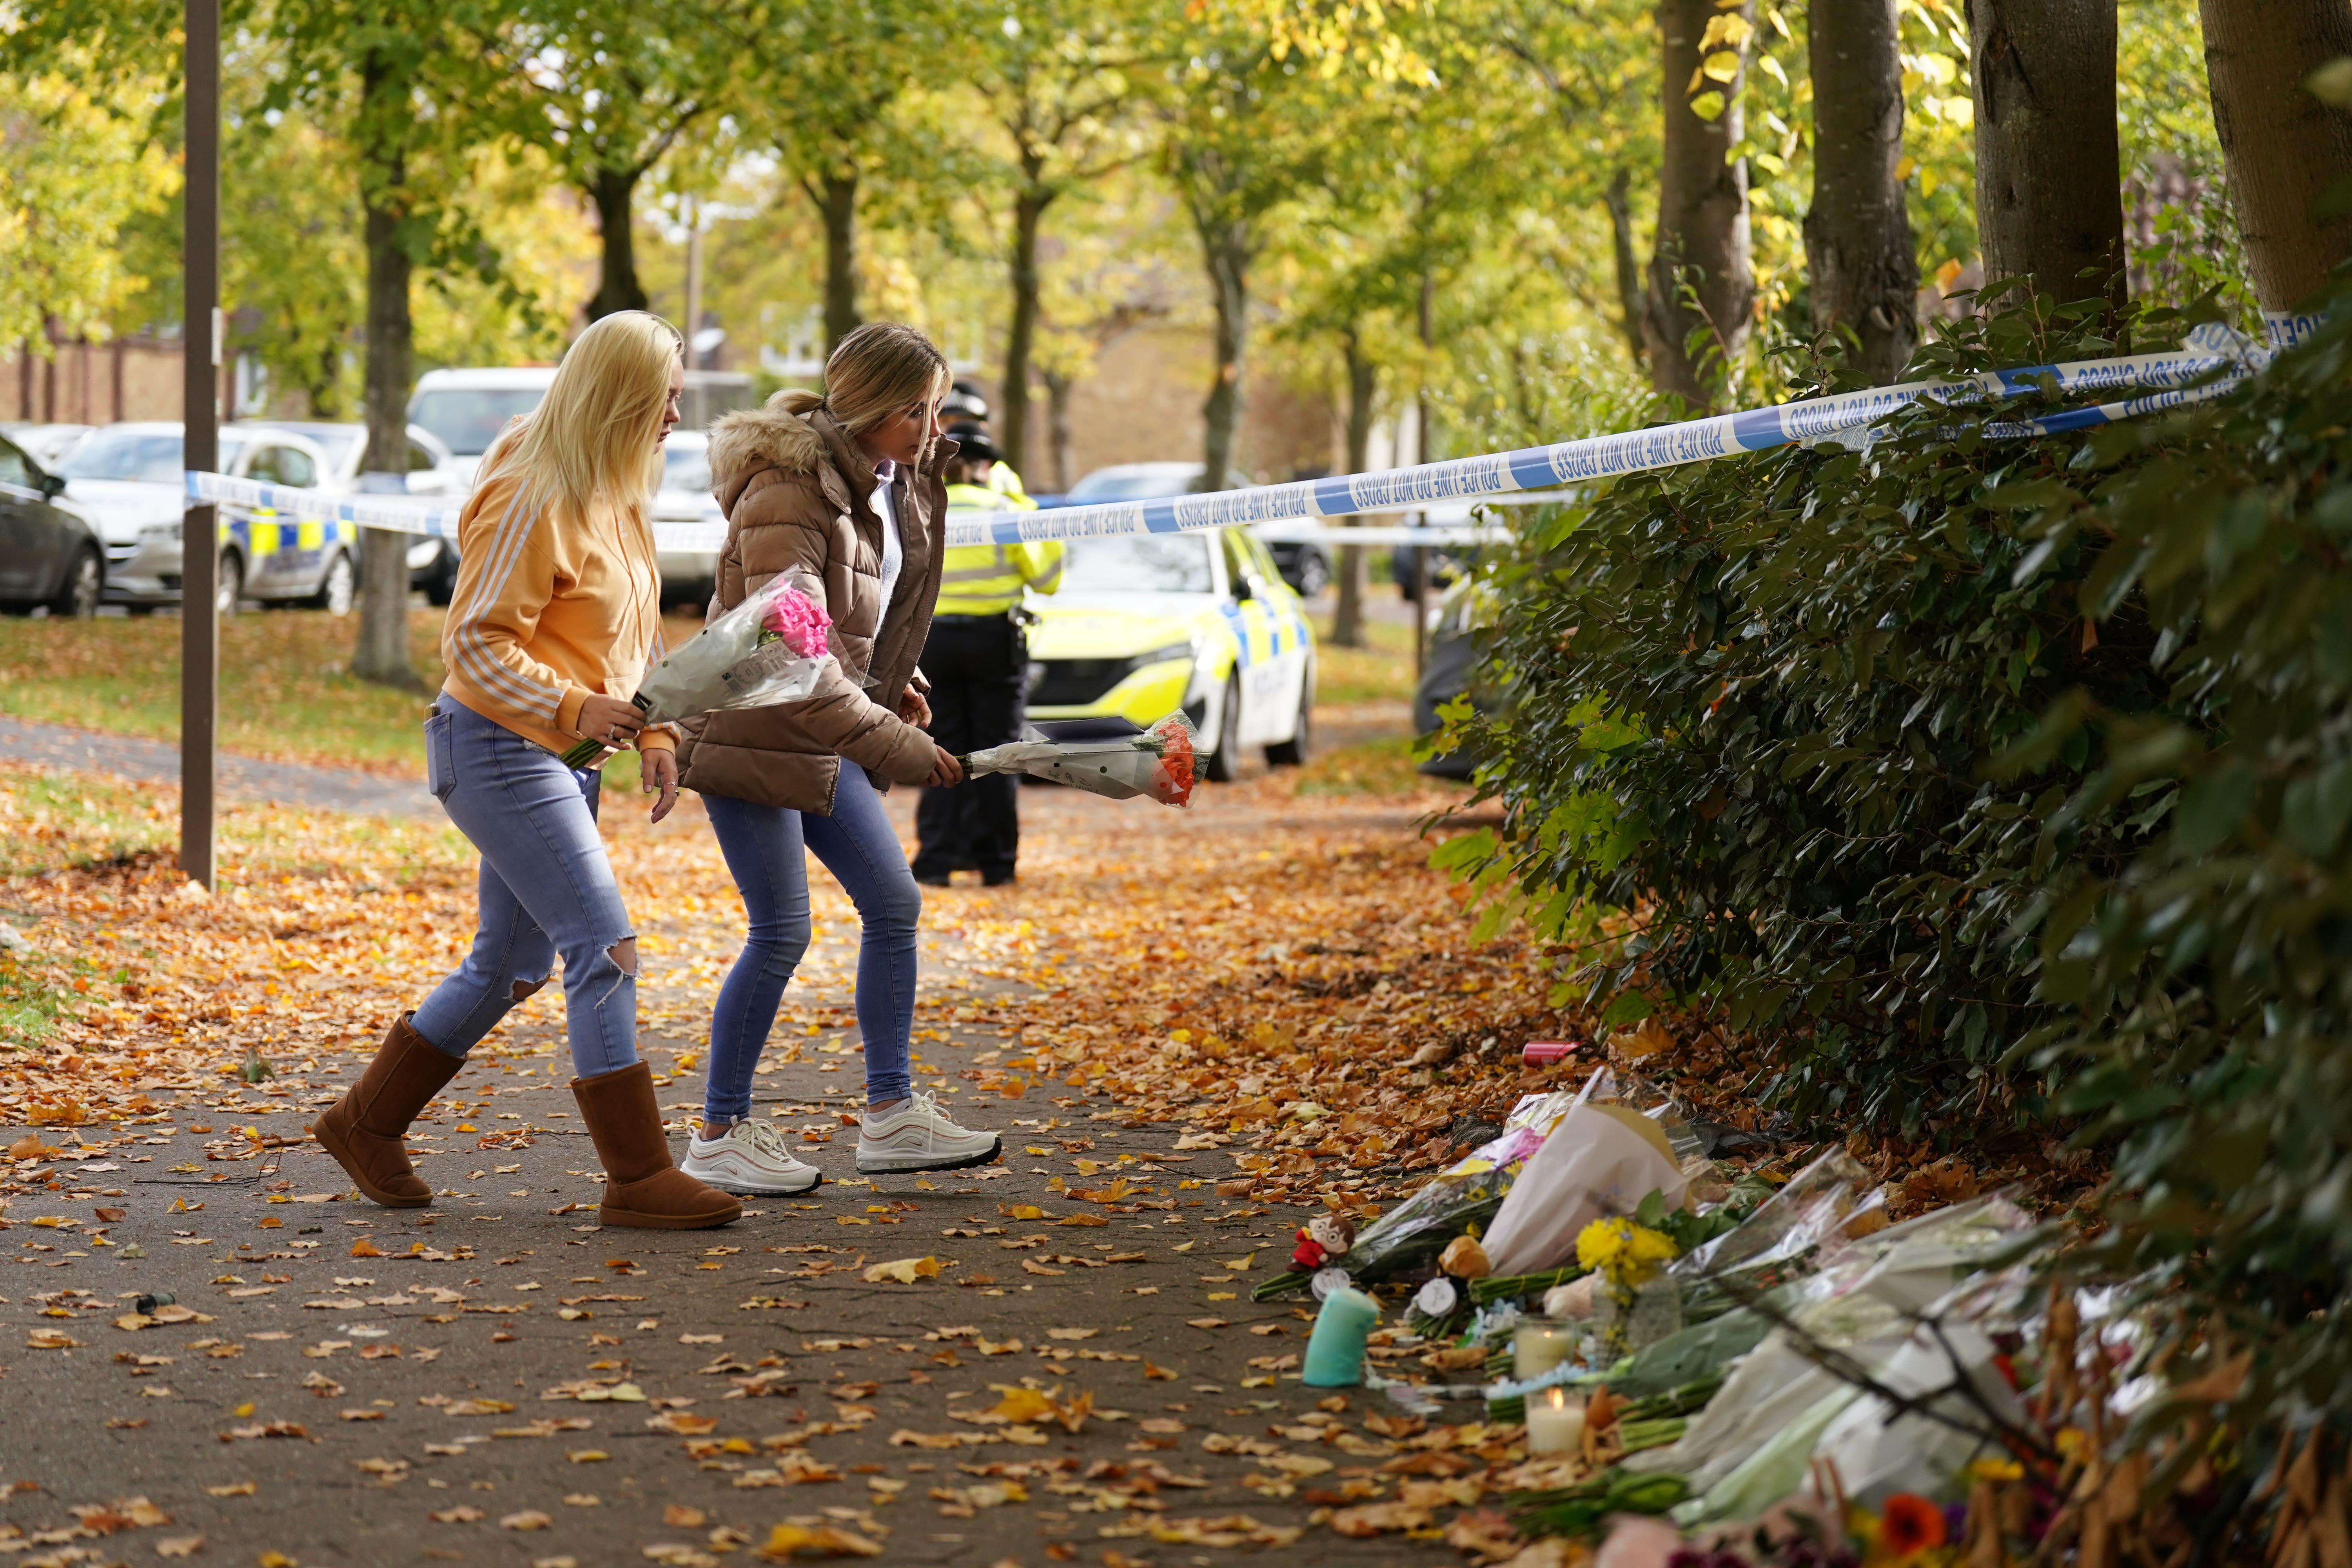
{"x": 84, "y": 382}
{"x": 1142, "y": 404}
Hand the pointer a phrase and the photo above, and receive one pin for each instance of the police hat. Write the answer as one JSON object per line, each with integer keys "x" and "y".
{"x": 964, "y": 401}
{"x": 977, "y": 446}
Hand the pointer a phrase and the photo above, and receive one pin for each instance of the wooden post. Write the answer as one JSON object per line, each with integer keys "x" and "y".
{"x": 200, "y": 383}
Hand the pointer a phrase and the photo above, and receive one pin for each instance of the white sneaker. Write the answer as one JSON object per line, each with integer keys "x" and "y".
{"x": 917, "y": 1135}
{"x": 748, "y": 1157}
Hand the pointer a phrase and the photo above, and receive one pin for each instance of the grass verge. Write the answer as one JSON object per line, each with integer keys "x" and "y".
{"x": 52, "y": 820}
{"x": 1385, "y": 767}
{"x": 287, "y": 692}
{"x": 1380, "y": 671}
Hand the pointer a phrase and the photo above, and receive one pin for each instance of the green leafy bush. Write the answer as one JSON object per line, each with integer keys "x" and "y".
{"x": 1988, "y": 781}
{"x": 2207, "y": 983}
{"x": 1757, "y": 700}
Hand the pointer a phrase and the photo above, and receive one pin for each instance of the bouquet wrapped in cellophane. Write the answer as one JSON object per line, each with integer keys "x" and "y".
{"x": 771, "y": 648}
{"x": 1157, "y": 762}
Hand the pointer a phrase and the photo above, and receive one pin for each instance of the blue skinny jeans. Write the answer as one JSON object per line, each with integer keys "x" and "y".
{"x": 763, "y": 847}
{"x": 546, "y": 887}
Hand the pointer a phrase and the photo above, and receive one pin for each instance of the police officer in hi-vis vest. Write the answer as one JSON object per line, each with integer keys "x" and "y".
{"x": 977, "y": 661}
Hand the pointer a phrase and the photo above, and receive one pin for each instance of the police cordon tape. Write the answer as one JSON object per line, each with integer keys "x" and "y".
{"x": 396, "y": 514}
{"x": 2212, "y": 360}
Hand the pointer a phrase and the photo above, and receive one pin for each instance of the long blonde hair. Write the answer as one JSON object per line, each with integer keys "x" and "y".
{"x": 592, "y": 435}
{"x": 872, "y": 373}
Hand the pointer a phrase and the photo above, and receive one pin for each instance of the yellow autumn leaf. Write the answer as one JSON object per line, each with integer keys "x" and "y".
{"x": 363, "y": 1247}
{"x": 1725, "y": 30}
{"x": 1022, "y": 1405}
{"x": 816, "y": 1541}
{"x": 905, "y": 1271}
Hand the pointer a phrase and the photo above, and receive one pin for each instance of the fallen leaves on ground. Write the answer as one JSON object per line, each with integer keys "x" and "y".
{"x": 816, "y": 1541}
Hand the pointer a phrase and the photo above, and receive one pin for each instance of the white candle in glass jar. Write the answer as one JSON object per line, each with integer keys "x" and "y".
{"x": 1555, "y": 1422}
{"x": 1536, "y": 1347}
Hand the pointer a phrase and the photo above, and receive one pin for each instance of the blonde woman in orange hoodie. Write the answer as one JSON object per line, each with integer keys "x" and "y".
{"x": 557, "y": 613}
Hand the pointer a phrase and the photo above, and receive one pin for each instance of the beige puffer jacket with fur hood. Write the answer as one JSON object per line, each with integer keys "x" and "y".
{"x": 797, "y": 493}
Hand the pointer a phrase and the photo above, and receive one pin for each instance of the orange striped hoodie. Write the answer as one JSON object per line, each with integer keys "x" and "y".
{"x": 548, "y": 609}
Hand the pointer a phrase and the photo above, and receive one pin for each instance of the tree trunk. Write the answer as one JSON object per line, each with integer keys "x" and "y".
{"x": 1629, "y": 268}
{"x": 1858, "y": 250}
{"x": 2283, "y": 146}
{"x": 614, "y": 192}
{"x": 2050, "y": 201}
{"x": 1363, "y": 387}
{"x": 1013, "y": 425}
{"x": 1057, "y": 428}
{"x": 1228, "y": 257}
{"x": 382, "y": 652}
{"x": 837, "y": 199}
{"x": 690, "y": 322}
{"x": 1694, "y": 317}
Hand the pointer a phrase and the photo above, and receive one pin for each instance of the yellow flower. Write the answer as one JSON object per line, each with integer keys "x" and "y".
{"x": 1598, "y": 1243}
{"x": 1622, "y": 1252}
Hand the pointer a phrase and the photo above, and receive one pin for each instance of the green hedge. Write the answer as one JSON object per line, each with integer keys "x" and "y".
{"x": 1986, "y": 781}
{"x": 1756, "y": 698}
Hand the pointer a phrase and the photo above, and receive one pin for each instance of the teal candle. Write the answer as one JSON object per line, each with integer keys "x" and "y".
{"x": 1335, "y": 1352}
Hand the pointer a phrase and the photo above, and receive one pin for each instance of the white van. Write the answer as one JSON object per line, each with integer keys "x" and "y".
{"x": 467, "y": 408}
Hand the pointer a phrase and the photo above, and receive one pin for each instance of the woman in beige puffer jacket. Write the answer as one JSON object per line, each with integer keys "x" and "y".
{"x": 847, "y": 488}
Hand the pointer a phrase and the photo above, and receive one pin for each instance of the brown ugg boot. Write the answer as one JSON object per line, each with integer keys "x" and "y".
{"x": 363, "y": 1129}
{"x": 641, "y": 1186}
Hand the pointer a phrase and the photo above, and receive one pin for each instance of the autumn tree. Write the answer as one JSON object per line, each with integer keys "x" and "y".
{"x": 76, "y": 168}
{"x": 2285, "y": 147}
{"x": 1694, "y": 311}
{"x": 2048, "y": 172}
{"x": 390, "y": 72}
{"x": 1056, "y": 78}
{"x": 416, "y": 88}
{"x": 1864, "y": 273}
{"x": 1591, "y": 66}
{"x": 1106, "y": 269}
{"x": 822, "y": 84}
{"x": 610, "y": 88}
{"x": 1246, "y": 133}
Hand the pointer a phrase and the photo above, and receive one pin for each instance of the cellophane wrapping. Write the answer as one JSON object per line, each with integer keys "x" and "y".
{"x": 772, "y": 648}
{"x": 1159, "y": 762}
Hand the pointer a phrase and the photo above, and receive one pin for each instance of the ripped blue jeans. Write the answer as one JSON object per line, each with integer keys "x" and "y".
{"x": 546, "y": 888}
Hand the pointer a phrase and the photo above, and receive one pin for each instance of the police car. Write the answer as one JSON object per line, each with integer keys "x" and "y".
{"x": 128, "y": 480}
{"x": 1146, "y": 624}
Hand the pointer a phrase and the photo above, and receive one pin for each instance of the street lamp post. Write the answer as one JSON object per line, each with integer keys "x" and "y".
{"x": 200, "y": 383}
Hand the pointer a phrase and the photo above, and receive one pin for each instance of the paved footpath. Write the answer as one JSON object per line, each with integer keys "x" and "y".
{"x": 497, "y": 1380}
{"x": 241, "y": 778}
{"x": 345, "y": 1385}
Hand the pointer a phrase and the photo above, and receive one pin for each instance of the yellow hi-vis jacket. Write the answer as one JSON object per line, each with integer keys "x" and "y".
{"x": 1005, "y": 481}
{"x": 989, "y": 579}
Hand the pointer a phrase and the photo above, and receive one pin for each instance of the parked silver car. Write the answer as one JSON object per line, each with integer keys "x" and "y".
{"x": 44, "y": 444}
{"x": 690, "y": 570}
